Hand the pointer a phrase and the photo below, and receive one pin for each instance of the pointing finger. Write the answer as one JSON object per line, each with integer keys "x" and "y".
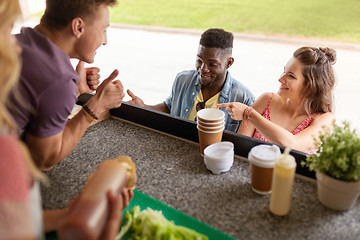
{"x": 220, "y": 105}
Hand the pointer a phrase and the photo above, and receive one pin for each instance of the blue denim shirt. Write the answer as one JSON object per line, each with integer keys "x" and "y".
{"x": 187, "y": 86}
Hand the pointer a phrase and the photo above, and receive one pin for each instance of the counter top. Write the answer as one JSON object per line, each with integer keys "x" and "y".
{"x": 172, "y": 171}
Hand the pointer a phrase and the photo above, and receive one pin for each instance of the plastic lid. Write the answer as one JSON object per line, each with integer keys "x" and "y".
{"x": 286, "y": 160}
{"x": 264, "y": 155}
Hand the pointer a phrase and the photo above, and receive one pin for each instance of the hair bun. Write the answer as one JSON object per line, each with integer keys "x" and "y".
{"x": 330, "y": 53}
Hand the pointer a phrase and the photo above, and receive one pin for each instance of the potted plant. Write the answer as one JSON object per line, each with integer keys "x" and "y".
{"x": 337, "y": 166}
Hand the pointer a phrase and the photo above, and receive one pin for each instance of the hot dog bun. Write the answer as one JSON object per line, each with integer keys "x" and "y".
{"x": 131, "y": 170}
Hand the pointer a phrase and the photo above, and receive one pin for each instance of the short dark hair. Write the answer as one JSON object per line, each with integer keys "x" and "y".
{"x": 217, "y": 38}
{"x": 58, "y": 14}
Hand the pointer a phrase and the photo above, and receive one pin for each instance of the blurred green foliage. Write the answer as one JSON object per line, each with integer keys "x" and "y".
{"x": 327, "y": 19}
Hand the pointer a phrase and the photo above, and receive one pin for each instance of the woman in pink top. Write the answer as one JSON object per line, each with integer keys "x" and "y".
{"x": 297, "y": 113}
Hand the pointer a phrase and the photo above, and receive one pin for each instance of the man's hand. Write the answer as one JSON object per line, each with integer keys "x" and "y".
{"x": 138, "y": 101}
{"x": 108, "y": 95}
{"x": 134, "y": 99}
{"x": 89, "y": 78}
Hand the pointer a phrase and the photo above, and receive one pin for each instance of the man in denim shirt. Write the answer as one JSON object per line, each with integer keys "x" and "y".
{"x": 208, "y": 85}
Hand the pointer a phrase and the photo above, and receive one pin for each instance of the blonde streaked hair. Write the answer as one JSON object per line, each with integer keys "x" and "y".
{"x": 9, "y": 61}
{"x": 9, "y": 76}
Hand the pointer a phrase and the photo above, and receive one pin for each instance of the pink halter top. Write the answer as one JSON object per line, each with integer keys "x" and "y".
{"x": 298, "y": 129}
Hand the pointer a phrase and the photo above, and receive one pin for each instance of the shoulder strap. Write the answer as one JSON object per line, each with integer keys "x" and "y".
{"x": 268, "y": 104}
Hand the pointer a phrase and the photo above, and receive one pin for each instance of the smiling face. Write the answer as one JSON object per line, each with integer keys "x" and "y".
{"x": 292, "y": 80}
{"x": 212, "y": 65}
{"x": 94, "y": 34}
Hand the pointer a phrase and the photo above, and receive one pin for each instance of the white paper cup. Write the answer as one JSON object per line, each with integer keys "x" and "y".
{"x": 211, "y": 129}
{"x": 210, "y": 124}
{"x": 210, "y": 115}
{"x": 207, "y": 138}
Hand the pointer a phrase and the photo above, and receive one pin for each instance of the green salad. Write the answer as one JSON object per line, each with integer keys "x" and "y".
{"x": 151, "y": 224}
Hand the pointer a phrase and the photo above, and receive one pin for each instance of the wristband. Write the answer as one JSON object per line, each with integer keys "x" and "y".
{"x": 89, "y": 113}
{"x": 247, "y": 113}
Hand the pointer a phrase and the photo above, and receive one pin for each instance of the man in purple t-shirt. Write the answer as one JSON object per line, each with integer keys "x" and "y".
{"x": 49, "y": 85}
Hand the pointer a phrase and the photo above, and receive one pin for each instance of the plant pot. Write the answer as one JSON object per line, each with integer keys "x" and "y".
{"x": 336, "y": 194}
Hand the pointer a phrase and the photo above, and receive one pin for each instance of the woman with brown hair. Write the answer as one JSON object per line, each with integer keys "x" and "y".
{"x": 295, "y": 115}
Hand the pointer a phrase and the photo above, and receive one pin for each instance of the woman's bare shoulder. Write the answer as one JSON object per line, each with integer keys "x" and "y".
{"x": 261, "y": 102}
{"x": 323, "y": 119}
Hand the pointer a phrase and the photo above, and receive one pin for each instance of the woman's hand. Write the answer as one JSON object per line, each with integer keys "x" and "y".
{"x": 127, "y": 194}
{"x": 235, "y": 109}
{"x": 116, "y": 203}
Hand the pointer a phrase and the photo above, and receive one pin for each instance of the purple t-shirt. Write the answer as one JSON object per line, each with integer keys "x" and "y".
{"x": 47, "y": 86}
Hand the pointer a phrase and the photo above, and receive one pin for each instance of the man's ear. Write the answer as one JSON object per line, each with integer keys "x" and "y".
{"x": 78, "y": 27}
{"x": 229, "y": 62}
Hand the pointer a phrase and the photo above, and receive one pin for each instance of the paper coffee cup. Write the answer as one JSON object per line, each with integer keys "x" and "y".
{"x": 210, "y": 115}
{"x": 207, "y": 138}
{"x": 262, "y": 160}
{"x": 210, "y": 124}
{"x": 211, "y": 129}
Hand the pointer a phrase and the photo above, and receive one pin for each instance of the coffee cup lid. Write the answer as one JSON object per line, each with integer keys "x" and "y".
{"x": 264, "y": 155}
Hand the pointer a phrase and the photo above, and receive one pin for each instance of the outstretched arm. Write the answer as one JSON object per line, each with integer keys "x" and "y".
{"x": 51, "y": 150}
{"x": 53, "y": 219}
{"x": 138, "y": 101}
{"x": 237, "y": 111}
{"x": 302, "y": 141}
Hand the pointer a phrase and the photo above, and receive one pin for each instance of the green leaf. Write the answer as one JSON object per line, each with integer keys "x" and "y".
{"x": 338, "y": 154}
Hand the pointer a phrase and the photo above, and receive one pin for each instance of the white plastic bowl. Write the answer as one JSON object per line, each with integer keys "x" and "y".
{"x": 219, "y": 157}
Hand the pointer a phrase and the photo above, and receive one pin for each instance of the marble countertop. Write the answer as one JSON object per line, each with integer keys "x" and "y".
{"x": 172, "y": 171}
